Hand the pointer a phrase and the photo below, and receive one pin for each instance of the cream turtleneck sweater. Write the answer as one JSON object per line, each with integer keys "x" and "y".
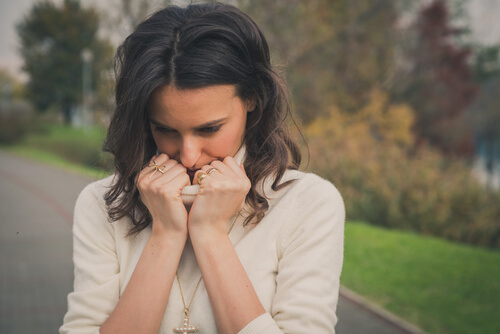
{"x": 293, "y": 258}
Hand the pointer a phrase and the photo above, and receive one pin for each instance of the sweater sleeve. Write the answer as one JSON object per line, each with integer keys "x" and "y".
{"x": 310, "y": 253}
{"x": 96, "y": 284}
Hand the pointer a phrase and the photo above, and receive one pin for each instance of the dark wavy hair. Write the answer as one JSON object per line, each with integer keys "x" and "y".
{"x": 197, "y": 46}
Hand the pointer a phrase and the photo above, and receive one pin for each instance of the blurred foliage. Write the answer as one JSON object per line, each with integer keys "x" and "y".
{"x": 437, "y": 81}
{"x": 15, "y": 112}
{"x": 16, "y": 122}
{"x": 82, "y": 146}
{"x": 334, "y": 51}
{"x": 10, "y": 87}
{"x": 52, "y": 39}
{"x": 367, "y": 156}
{"x": 380, "y": 85}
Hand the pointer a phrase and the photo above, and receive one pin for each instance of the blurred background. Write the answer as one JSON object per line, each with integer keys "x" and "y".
{"x": 398, "y": 102}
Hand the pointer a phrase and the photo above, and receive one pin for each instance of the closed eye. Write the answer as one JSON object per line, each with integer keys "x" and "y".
{"x": 164, "y": 130}
{"x": 210, "y": 129}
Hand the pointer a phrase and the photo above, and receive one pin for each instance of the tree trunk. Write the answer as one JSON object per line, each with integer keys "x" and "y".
{"x": 66, "y": 110}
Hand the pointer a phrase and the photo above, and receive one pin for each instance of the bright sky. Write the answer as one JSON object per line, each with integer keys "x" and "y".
{"x": 11, "y": 11}
{"x": 483, "y": 13}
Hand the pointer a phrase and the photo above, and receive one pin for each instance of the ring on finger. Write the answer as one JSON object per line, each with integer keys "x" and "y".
{"x": 211, "y": 170}
{"x": 201, "y": 176}
{"x": 152, "y": 164}
{"x": 157, "y": 169}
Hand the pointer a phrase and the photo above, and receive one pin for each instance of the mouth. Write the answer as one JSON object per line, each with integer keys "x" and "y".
{"x": 191, "y": 173}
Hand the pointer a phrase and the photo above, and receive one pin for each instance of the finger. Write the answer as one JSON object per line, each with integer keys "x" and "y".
{"x": 196, "y": 179}
{"x": 173, "y": 188}
{"x": 223, "y": 168}
{"x": 162, "y": 161}
{"x": 180, "y": 181}
{"x": 171, "y": 173}
{"x": 235, "y": 167}
{"x": 231, "y": 168}
{"x": 211, "y": 170}
{"x": 238, "y": 171}
{"x": 163, "y": 172}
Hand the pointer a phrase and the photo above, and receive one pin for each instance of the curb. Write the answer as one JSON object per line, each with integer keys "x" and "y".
{"x": 380, "y": 312}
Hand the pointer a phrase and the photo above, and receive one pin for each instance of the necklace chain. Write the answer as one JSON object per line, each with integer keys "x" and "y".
{"x": 186, "y": 309}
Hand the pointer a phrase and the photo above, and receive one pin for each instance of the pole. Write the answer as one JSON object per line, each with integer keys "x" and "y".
{"x": 87, "y": 57}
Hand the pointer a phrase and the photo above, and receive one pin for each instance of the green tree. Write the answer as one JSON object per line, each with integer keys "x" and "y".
{"x": 52, "y": 40}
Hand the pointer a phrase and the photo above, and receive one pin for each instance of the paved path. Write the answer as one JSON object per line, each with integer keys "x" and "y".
{"x": 36, "y": 205}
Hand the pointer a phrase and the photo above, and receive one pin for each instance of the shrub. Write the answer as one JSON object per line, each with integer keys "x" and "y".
{"x": 367, "y": 156}
{"x": 16, "y": 121}
{"x": 77, "y": 145}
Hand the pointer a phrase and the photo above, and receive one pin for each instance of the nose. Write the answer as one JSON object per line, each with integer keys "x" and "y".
{"x": 190, "y": 152}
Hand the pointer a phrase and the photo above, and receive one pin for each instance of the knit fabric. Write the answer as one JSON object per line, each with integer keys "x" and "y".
{"x": 293, "y": 258}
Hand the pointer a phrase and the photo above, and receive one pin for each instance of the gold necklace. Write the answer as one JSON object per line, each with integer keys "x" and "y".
{"x": 186, "y": 327}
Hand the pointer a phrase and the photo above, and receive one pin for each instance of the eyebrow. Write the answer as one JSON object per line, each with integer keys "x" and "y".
{"x": 202, "y": 126}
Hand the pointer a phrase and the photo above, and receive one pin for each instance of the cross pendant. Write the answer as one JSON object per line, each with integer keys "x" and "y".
{"x": 186, "y": 328}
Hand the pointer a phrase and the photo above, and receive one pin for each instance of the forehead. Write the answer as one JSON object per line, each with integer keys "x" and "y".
{"x": 170, "y": 103}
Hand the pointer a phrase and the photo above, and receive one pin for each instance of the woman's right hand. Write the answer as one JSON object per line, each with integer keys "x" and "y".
{"x": 161, "y": 193}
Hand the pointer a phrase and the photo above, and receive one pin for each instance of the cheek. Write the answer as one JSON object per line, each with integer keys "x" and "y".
{"x": 165, "y": 145}
{"x": 228, "y": 142}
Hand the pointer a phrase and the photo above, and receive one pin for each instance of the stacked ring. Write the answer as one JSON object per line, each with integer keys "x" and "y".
{"x": 211, "y": 170}
{"x": 201, "y": 176}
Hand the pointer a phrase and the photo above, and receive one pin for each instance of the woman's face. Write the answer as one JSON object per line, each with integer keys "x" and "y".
{"x": 198, "y": 126}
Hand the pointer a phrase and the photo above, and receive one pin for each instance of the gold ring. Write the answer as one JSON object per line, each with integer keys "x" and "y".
{"x": 157, "y": 168}
{"x": 211, "y": 170}
{"x": 152, "y": 165}
{"x": 201, "y": 176}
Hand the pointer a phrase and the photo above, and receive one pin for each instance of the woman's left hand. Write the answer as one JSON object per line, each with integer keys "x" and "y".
{"x": 222, "y": 194}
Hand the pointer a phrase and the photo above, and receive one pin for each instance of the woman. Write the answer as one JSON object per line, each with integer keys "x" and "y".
{"x": 207, "y": 225}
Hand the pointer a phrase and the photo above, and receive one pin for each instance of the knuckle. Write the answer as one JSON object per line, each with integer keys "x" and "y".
{"x": 216, "y": 163}
{"x": 140, "y": 182}
{"x": 172, "y": 163}
{"x": 154, "y": 188}
{"x": 181, "y": 168}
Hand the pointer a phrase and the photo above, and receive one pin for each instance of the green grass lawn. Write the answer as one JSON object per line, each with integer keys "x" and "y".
{"x": 71, "y": 148}
{"x": 440, "y": 286}
{"x": 77, "y": 145}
